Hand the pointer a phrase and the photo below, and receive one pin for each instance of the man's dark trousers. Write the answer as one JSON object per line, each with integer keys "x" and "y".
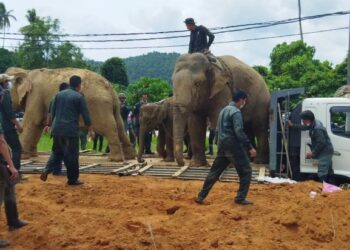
{"x": 12, "y": 140}
{"x": 68, "y": 148}
{"x": 229, "y": 151}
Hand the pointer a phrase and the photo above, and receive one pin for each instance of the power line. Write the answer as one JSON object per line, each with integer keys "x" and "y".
{"x": 219, "y": 30}
{"x": 220, "y": 42}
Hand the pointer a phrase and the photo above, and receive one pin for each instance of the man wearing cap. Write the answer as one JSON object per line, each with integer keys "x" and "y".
{"x": 7, "y": 189}
{"x": 321, "y": 146}
{"x": 66, "y": 110}
{"x": 233, "y": 145}
{"x": 10, "y": 123}
{"x": 199, "y": 41}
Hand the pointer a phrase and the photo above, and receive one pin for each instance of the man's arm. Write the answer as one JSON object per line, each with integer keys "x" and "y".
{"x": 319, "y": 142}
{"x": 86, "y": 117}
{"x": 191, "y": 45}
{"x": 210, "y": 35}
{"x": 4, "y": 151}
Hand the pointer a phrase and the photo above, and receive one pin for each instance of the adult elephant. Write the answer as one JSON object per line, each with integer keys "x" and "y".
{"x": 158, "y": 115}
{"x": 33, "y": 91}
{"x": 202, "y": 89}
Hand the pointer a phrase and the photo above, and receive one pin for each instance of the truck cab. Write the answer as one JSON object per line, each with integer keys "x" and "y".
{"x": 334, "y": 113}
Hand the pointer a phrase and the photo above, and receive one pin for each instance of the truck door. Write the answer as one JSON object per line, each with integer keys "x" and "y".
{"x": 338, "y": 128}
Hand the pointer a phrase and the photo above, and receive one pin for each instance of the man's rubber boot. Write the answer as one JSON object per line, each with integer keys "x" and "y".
{"x": 11, "y": 212}
{"x": 4, "y": 243}
{"x": 244, "y": 202}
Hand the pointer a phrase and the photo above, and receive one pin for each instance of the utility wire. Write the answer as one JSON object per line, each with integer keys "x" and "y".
{"x": 217, "y": 29}
{"x": 220, "y": 42}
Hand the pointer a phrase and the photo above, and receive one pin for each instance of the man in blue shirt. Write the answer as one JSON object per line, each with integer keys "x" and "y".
{"x": 66, "y": 110}
{"x": 233, "y": 145}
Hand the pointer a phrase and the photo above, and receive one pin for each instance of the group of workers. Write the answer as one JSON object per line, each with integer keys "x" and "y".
{"x": 69, "y": 104}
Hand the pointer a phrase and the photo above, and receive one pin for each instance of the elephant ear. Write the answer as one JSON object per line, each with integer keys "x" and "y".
{"x": 22, "y": 84}
{"x": 219, "y": 80}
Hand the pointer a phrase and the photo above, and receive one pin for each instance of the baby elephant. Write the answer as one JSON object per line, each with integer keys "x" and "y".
{"x": 158, "y": 115}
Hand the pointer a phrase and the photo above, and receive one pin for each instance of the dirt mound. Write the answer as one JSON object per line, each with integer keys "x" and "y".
{"x": 146, "y": 213}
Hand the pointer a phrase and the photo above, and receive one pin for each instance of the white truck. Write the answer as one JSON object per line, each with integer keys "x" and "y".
{"x": 333, "y": 112}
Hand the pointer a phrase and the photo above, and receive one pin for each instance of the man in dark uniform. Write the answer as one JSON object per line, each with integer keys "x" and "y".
{"x": 233, "y": 145}
{"x": 199, "y": 41}
{"x": 148, "y": 136}
{"x": 7, "y": 190}
{"x": 66, "y": 110}
{"x": 54, "y": 164}
{"x": 321, "y": 146}
{"x": 10, "y": 123}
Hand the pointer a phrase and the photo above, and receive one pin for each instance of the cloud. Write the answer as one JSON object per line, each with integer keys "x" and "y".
{"x": 108, "y": 16}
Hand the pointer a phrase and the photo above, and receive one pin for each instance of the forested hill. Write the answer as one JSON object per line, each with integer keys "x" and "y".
{"x": 154, "y": 64}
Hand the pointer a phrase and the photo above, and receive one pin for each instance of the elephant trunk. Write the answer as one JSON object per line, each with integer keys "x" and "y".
{"x": 142, "y": 134}
{"x": 180, "y": 121}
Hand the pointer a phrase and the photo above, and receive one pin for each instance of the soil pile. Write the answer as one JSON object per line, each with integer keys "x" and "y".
{"x": 111, "y": 212}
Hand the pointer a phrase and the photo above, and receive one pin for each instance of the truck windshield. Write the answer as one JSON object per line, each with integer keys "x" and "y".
{"x": 340, "y": 121}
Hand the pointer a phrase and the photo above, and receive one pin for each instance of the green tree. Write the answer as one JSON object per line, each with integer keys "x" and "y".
{"x": 114, "y": 71}
{"x": 156, "y": 88}
{"x": 5, "y": 17}
{"x": 154, "y": 65}
{"x": 293, "y": 65}
{"x": 67, "y": 55}
{"x": 6, "y": 59}
{"x": 39, "y": 41}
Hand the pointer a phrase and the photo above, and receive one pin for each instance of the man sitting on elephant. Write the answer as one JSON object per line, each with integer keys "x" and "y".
{"x": 233, "y": 145}
{"x": 66, "y": 110}
{"x": 198, "y": 39}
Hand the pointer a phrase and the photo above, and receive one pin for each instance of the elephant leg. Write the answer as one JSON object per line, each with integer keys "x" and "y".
{"x": 110, "y": 132}
{"x": 128, "y": 149}
{"x": 261, "y": 133}
{"x": 169, "y": 148}
{"x": 197, "y": 130}
{"x": 29, "y": 140}
{"x": 161, "y": 143}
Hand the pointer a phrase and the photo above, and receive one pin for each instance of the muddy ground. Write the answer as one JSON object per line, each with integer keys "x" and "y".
{"x": 111, "y": 212}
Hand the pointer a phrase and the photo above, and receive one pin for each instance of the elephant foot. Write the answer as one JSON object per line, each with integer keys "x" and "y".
{"x": 115, "y": 158}
{"x": 140, "y": 160}
{"x": 129, "y": 157}
{"x": 169, "y": 159}
{"x": 129, "y": 152}
{"x": 199, "y": 164}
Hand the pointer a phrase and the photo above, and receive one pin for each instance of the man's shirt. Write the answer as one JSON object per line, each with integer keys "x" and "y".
{"x": 66, "y": 109}
{"x": 7, "y": 112}
{"x": 199, "y": 41}
{"x": 230, "y": 125}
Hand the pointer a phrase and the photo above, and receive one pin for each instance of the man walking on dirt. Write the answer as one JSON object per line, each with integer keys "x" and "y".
{"x": 198, "y": 38}
{"x": 233, "y": 145}
{"x": 66, "y": 110}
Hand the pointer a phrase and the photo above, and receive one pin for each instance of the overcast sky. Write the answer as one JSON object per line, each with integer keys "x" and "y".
{"x": 116, "y": 16}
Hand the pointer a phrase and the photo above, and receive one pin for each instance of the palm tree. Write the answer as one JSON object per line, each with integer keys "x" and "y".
{"x": 5, "y": 17}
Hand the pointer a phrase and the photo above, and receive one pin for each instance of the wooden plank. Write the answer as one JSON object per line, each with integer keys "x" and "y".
{"x": 115, "y": 171}
{"x": 262, "y": 171}
{"x": 89, "y": 166}
{"x": 180, "y": 171}
{"x": 145, "y": 168}
{"x": 39, "y": 168}
{"x": 26, "y": 162}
